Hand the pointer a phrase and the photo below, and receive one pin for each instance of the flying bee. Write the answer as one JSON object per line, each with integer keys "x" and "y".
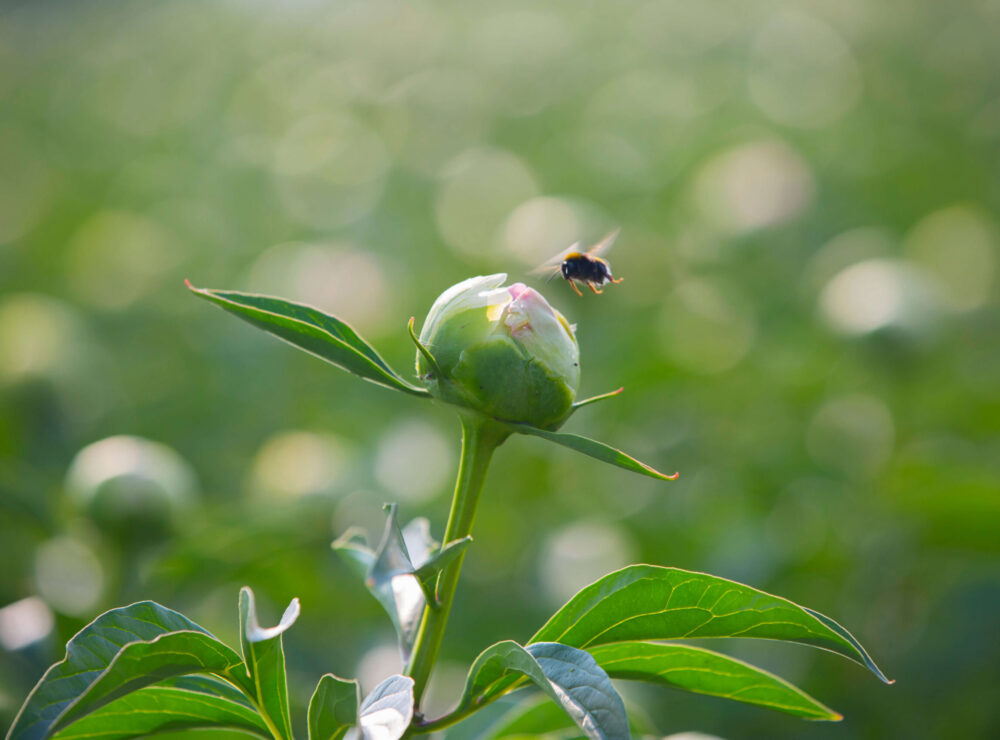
{"x": 582, "y": 267}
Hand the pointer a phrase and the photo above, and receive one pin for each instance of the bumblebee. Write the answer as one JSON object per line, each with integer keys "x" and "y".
{"x": 583, "y": 267}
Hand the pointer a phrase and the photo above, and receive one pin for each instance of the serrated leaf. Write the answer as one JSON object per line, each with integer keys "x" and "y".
{"x": 387, "y": 711}
{"x": 141, "y": 664}
{"x": 88, "y": 654}
{"x": 333, "y": 709}
{"x": 157, "y": 709}
{"x": 593, "y": 448}
{"x": 570, "y": 677}
{"x": 649, "y": 602}
{"x": 264, "y": 658}
{"x": 312, "y": 330}
{"x": 705, "y": 672}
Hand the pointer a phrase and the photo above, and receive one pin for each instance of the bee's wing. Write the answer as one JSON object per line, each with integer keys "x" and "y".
{"x": 552, "y": 264}
{"x": 604, "y": 245}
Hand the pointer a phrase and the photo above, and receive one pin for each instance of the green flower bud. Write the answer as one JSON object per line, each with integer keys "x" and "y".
{"x": 503, "y": 351}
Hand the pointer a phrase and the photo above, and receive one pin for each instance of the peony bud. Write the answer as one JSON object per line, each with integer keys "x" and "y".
{"x": 503, "y": 351}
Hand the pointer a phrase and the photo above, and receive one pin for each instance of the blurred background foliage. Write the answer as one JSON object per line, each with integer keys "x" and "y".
{"x": 808, "y": 328}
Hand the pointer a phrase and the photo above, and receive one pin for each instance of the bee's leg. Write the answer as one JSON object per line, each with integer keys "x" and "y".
{"x": 593, "y": 288}
{"x": 573, "y": 286}
{"x": 616, "y": 280}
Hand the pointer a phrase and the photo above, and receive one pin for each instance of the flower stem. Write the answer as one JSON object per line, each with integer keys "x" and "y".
{"x": 480, "y": 436}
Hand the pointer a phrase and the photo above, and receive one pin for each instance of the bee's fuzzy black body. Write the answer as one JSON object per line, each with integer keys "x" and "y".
{"x": 592, "y": 271}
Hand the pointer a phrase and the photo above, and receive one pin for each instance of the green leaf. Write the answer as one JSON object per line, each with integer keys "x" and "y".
{"x": 649, "y": 602}
{"x": 158, "y": 709}
{"x": 333, "y": 709}
{"x": 308, "y": 328}
{"x": 570, "y": 677}
{"x": 593, "y": 448}
{"x": 532, "y": 719}
{"x": 705, "y": 672}
{"x": 387, "y": 711}
{"x": 88, "y": 654}
{"x": 140, "y": 664}
{"x": 265, "y": 662}
{"x": 428, "y": 573}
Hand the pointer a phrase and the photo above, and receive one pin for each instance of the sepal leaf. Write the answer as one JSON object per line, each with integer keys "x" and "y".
{"x": 593, "y": 448}
{"x": 312, "y": 330}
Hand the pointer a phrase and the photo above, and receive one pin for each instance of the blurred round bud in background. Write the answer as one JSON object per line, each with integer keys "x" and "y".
{"x": 133, "y": 488}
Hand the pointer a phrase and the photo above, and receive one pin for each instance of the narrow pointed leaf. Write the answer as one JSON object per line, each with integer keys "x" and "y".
{"x": 264, "y": 658}
{"x": 141, "y": 664}
{"x": 428, "y": 573}
{"x": 649, "y": 602}
{"x": 570, "y": 677}
{"x": 157, "y": 709}
{"x": 705, "y": 672}
{"x": 309, "y": 329}
{"x": 593, "y": 448}
{"x": 88, "y": 654}
{"x": 333, "y": 709}
{"x": 387, "y": 711}
{"x": 595, "y": 399}
{"x": 353, "y": 549}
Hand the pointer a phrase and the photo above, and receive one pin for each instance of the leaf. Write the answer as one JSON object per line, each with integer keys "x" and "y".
{"x": 389, "y": 576}
{"x": 265, "y": 662}
{"x": 532, "y": 719}
{"x": 88, "y": 654}
{"x": 428, "y": 573}
{"x": 593, "y": 448}
{"x": 156, "y": 709}
{"x": 141, "y": 664}
{"x": 569, "y": 676}
{"x": 387, "y": 711}
{"x": 705, "y": 672}
{"x": 309, "y": 329}
{"x": 333, "y": 709}
{"x": 649, "y": 602}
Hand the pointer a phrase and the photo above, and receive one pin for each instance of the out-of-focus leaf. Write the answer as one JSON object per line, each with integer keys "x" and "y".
{"x": 141, "y": 664}
{"x": 333, "y": 709}
{"x": 593, "y": 448}
{"x": 570, "y": 677}
{"x": 535, "y": 718}
{"x": 264, "y": 657}
{"x": 157, "y": 709}
{"x": 387, "y": 711}
{"x": 389, "y": 576}
{"x": 649, "y": 602}
{"x": 706, "y": 672}
{"x": 88, "y": 654}
{"x": 308, "y": 328}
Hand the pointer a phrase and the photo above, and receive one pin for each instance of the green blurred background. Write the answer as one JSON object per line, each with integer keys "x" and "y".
{"x": 808, "y": 329}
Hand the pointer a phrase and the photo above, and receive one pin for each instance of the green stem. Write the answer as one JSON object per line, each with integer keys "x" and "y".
{"x": 480, "y": 436}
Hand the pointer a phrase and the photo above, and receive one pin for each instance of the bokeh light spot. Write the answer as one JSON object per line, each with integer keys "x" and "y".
{"x": 759, "y": 184}
{"x": 414, "y": 461}
{"x": 69, "y": 576}
{"x": 24, "y": 622}
{"x": 854, "y": 434}
{"x": 579, "y": 554}
{"x": 479, "y": 190}
{"x": 297, "y": 463}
